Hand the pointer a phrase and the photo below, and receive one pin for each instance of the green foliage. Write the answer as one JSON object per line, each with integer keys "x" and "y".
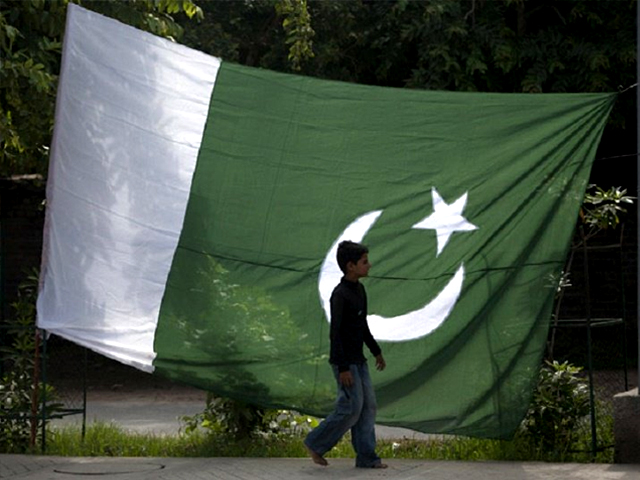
{"x": 559, "y": 405}
{"x": 582, "y": 447}
{"x": 242, "y": 421}
{"x": 246, "y": 32}
{"x": 17, "y": 382}
{"x": 223, "y": 415}
{"x": 469, "y": 45}
{"x": 110, "y": 440}
{"x": 601, "y": 208}
{"x": 520, "y": 46}
{"x": 155, "y": 16}
{"x": 31, "y": 34}
{"x": 102, "y": 439}
{"x": 553, "y": 430}
{"x": 18, "y": 386}
{"x": 511, "y": 46}
{"x": 15, "y": 412}
{"x": 297, "y": 25}
{"x": 16, "y": 415}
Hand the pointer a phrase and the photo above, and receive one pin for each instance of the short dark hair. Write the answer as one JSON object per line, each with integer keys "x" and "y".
{"x": 350, "y": 252}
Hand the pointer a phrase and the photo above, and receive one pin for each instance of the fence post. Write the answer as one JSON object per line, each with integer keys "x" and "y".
{"x": 587, "y": 294}
{"x": 36, "y": 390}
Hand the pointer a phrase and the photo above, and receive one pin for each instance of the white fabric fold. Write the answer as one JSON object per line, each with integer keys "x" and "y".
{"x": 130, "y": 115}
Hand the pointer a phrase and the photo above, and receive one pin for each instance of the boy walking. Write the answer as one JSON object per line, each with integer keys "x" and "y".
{"x": 355, "y": 407}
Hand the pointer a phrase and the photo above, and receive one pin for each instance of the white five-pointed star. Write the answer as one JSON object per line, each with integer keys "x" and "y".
{"x": 445, "y": 219}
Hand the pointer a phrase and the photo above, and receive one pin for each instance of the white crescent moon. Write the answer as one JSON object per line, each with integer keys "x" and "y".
{"x": 408, "y": 326}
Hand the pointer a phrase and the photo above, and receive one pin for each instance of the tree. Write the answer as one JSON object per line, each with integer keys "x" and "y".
{"x": 30, "y": 41}
{"x": 467, "y": 45}
{"x": 470, "y": 45}
{"x": 507, "y": 46}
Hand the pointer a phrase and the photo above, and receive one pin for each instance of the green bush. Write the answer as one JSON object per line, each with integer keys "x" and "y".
{"x": 15, "y": 406}
{"x": 559, "y": 406}
{"x": 243, "y": 421}
{"x": 18, "y": 386}
{"x": 555, "y": 429}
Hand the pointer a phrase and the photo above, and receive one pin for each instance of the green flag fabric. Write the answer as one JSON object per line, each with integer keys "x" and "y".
{"x": 466, "y": 201}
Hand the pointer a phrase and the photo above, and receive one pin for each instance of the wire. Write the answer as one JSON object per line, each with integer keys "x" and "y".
{"x": 622, "y": 90}
{"x": 618, "y": 156}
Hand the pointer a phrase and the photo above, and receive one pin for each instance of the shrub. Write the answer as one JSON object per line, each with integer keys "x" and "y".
{"x": 243, "y": 421}
{"x": 18, "y": 386}
{"x": 559, "y": 405}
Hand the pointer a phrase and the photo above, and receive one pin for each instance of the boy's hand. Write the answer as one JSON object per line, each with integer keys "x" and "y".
{"x": 380, "y": 363}
{"x": 346, "y": 379}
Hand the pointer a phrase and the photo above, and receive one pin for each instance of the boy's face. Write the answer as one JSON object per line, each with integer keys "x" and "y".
{"x": 361, "y": 268}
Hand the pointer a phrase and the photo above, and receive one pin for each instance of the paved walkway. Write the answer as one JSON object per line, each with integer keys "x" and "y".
{"x": 59, "y": 468}
{"x": 142, "y": 414}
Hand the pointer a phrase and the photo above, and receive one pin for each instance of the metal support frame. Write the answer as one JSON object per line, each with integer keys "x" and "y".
{"x": 46, "y": 415}
{"x": 587, "y": 292}
{"x": 589, "y": 323}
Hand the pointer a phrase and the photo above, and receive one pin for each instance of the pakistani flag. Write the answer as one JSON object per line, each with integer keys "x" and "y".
{"x": 195, "y": 207}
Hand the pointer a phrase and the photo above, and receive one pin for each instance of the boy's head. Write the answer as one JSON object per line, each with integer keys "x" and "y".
{"x": 350, "y": 252}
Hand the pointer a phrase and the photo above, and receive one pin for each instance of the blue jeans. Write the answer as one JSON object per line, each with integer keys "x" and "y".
{"x": 356, "y": 410}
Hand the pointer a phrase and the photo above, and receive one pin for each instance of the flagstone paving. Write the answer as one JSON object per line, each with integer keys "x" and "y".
{"x": 25, "y": 467}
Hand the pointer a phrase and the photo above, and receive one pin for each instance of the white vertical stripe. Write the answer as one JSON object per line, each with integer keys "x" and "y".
{"x": 130, "y": 114}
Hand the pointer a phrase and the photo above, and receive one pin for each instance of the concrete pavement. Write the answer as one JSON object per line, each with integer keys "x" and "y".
{"x": 161, "y": 417}
{"x": 59, "y": 468}
{"x": 138, "y": 416}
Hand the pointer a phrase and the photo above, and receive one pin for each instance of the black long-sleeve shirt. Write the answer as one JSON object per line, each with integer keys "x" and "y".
{"x": 349, "y": 327}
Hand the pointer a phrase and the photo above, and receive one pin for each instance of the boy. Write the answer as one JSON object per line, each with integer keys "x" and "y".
{"x": 356, "y": 403}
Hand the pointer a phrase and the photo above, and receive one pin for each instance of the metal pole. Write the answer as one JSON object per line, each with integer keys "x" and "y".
{"x": 3, "y": 333}
{"x": 35, "y": 394}
{"x": 638, "y": 172}
{"x": 84, "y": 394}
{"x": 43, "y": 334}
{"x": 587, "y": 294}
{"x": 625, "y": 346}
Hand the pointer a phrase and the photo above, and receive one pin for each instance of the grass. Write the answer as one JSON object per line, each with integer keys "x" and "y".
{"x": 103, "y": 439}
